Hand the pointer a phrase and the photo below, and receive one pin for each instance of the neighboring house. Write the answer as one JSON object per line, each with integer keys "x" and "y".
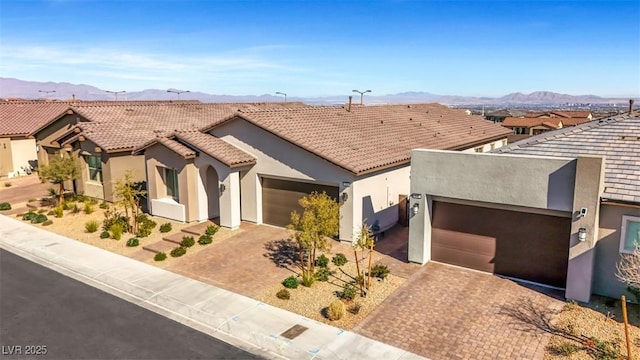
{"x": 531, "y": 126}
{"x": 569, "y": 118}
{"x": 498, "y": 116}
{"x": 256, "y": 164}
{"x": 18, "y": 121}
{"x": 567, "y": 211}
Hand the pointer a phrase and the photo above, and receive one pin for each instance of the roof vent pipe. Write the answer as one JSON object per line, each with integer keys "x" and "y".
{"x": 630, "y": 106}
{"x": 350, "y": 99}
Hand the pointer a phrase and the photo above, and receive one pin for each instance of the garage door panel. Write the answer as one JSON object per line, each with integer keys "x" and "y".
{"x": 528, "y": 246}
{"x": 281, "y": 197}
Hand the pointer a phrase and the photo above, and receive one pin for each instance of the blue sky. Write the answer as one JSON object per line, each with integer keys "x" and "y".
{"x": 304, "y": 48}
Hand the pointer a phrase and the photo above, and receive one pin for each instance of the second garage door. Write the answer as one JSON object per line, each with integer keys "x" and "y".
{"x": 280, "y": 198}
{"x": 522, "y": 245}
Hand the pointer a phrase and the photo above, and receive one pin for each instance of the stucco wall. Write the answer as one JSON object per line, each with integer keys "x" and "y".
{"x": 6, "y": 159}
{"x": 22, "y": 152}
{"x": 378, "y": 196}
{"x": 488, "y": 146}
{"x": 608, "y": 250}
{"x": 115, "y": 167}
{"x": 546, "y": 183}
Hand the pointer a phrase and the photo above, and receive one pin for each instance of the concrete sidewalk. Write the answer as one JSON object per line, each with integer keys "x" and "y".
{"x": 241, "y": 321}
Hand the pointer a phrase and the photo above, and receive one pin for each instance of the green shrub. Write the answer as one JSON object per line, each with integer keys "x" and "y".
{"x": 187, "y": 241}
{"x": 339, "y": 259}
{"x": 336, "y": 310}
{"x": 165, "y": 228}
{"x": 145, "y": 225}
{"x": 179, "y": 251}
{"x": 308, "y": 278}
{"x": 88, "y": 208}
{"x": 565, "y": 349}
{"x": 116, "y": 231}
{"x": 39, "y": 219}
{"x": 91, "y": 226}
{"x": 47, "y": 223}
{"x": 211, "y": 230}
{"x": 205, "y": 239}
{"x": 283, "y": 294}
{"x": 322, "y": 261}
{"x": 58, "y": 211}
{"x": 160, "y": 256}
{"x": 5, "y": 206}
{"x": 81, "y": 198}
{"x": 290, "y": 283}
{"x": 53, "y": 192}
{"x": 75, "y": 209}
{"x": 105, "y": 235}
{"x": 133, "y": 242}
{"x": 104, "y": 205}
{"x": 66, "y": 205}
{"x": 380, "y": 271}
{"x": 113, "y": 217}
{"x": 354, "y": 308}
{"x": 348, "y": 292}
{"x": 323, "y": 274}
{"x": 30, "y": 215}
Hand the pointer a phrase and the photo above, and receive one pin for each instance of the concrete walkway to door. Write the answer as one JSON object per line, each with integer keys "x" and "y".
{"x": 446, "y": 312}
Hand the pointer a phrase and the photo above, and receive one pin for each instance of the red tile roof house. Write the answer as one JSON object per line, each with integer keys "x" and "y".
{"x": 255, "y": 164}
{"x": 567, "y": 211}
{"x": 18, "y": 121}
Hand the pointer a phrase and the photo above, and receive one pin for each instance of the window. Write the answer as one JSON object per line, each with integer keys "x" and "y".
{"x": 630, "y": 234}
{"x": 493, "y": 146}
{"x": 95, "y": 168}
{"x": 479, "y": 149}
{"x": 171, "y": 180}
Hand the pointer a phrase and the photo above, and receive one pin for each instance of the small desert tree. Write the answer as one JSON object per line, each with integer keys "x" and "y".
{"x": 320, "y": 219}
{"x": 629, "y": 270}
{"x": 364, "y": 240}
{"x": 127, "y": 194}
{"x": 62, "y": 167}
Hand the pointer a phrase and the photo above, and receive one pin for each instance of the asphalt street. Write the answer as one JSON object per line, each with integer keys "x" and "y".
{"x": 52, "y": 316}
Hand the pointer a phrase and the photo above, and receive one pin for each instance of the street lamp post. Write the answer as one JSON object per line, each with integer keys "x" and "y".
{"x": 47, "y": 92}
{"x": 115, "y": 93}
{"x": 361, "y": 94}
{"x": 178, "y": 92}
{"x": 281, "y": 93}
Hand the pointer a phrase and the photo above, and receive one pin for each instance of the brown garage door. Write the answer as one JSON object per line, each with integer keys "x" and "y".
{"x": 280, "y": 198}
{"x": 526, "y": 246}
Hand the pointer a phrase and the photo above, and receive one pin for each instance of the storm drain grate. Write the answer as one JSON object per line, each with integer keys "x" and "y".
{"x": 294, "y": 332}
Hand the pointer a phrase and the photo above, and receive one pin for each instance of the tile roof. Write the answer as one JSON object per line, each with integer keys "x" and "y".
{"x": 369, "y": 138}
{"x": 616, "y": 137}
{"x": 531, "y": 122}
{"x": 23, "y": 118}
{"x": 216, "y": 148}
{"x": 118, "y": 127}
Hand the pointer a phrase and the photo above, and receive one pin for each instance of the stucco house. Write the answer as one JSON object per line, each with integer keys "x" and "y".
{"x": 566, "y": 211}
{"x": 18, "y": 121}
{"x": 255, "y": 164}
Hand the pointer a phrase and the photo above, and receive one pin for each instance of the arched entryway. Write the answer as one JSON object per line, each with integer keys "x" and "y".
{"x": 212, "y": 186}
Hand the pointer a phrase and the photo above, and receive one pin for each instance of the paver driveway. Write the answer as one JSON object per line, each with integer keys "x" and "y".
{"x": 445, "y": 312}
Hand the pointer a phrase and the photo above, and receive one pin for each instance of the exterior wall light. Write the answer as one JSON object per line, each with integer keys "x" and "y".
{"x": 416, "y": 196}
{"x": 582, "y": 234}
{"x": 415, "y": 208}
{"x": 223, "y": 187}
{"x": 344, "y": 197}
{"x": 346, "y": 184}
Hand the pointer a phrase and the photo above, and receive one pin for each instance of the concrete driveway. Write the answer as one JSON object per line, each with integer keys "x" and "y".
{"x": 445, "y": 312}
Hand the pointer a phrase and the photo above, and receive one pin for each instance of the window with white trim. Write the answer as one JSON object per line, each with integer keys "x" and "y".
{"x": 171, "y": 181}
{"x": 94, "y": 163}
{"x": 629, "y": 233}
